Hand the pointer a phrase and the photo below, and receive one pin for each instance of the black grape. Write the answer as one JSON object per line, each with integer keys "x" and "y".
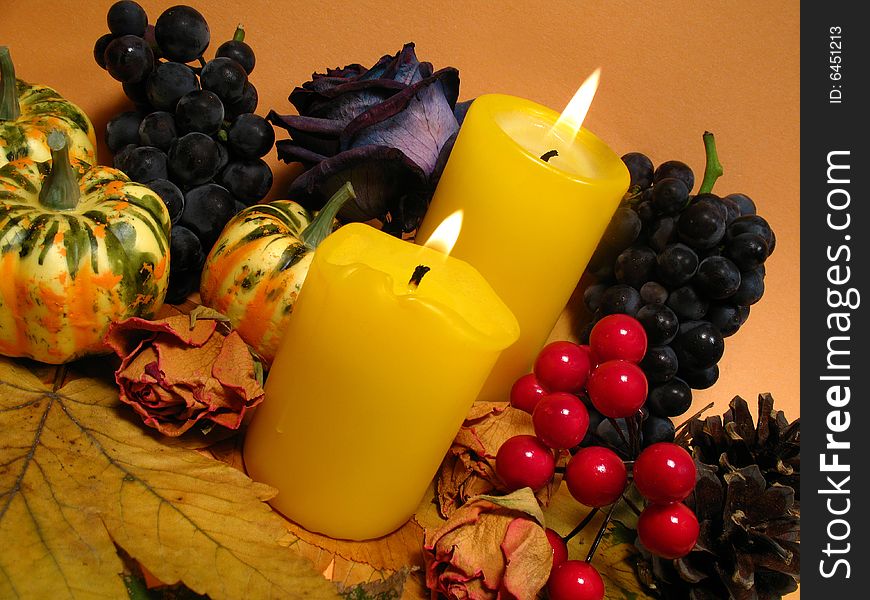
{"x": 701, "y": 226}
{"x": 659, "y": 322}
{"x": 635, "y": 266}
{"x": 687, "y": 304}
{"x": 747, "y": 250}
{"x": 182, "y": 33}
{"x": 659, "y": 364}
{"x": 199, "y": 110}
{"x": 661, "y": 233}
{"x": 620, "y": 298}
{"x": 699, "y": 345}
{"x": 653, "y": 292}
{"x": 675, "y": 169}
{"x": 670, "y": 399}
{"x": 726, "y": 317}
{"x": 207, "y": 208}
{"x": 753, "y": 224}
{"x": 137, "y": 92}
{"x": 657, "y": 429}
{"x": 640, "y": 168}
{"x": 592, "y": 296}
{"x": 225, "y": 77}
{"x": 185, "y": 264}
{"x": 122, "y": 130}
{"x": 193, "y": 159}
{"x": 171, "y": 196}
{"x": 169, "y": 82}
{"x": 157, "y": 129}
{"x": 246, "y": 104}
{"x": 717, "y": 277}
{"x": 248, "y": 180}
{"x": 623, "y": 229}
{"x": 670, "y": 195}
{"x": 100, "y": 49}
{"x": 250, "y": 136}
{"x": 751, "y": 287}
{"x": 700, "y": 379}
{"x": 129, "y": 59}
{"x": 240, "y": 52}
{"x": 676, "y": 264}
{"x": 146, "y": 163}
{"x": 744, "y": 202}
{"x": 127, "y": 18}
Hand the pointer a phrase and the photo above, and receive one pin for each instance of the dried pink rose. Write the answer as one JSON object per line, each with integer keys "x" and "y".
{"x": 492, "y": 548}
{"x": 175, "y": 374}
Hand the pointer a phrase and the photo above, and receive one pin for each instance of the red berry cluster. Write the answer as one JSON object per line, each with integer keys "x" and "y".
{"x": 604, "y": 375}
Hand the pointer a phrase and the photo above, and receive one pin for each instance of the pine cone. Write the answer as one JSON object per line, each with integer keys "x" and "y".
{"x": 748, "y": 504}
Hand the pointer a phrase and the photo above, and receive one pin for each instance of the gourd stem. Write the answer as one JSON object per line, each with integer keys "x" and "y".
{"x": 713, "y": 168}
{"x": 9, "y": 107}
{"x": 239, "y": 35}
{"x": 321, "y": 226}
{"x": 60, "y": 188}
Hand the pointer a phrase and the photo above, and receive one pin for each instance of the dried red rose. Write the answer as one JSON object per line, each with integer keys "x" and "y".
{"x": 493, "y": 547}
{"x": 175, "y": 374}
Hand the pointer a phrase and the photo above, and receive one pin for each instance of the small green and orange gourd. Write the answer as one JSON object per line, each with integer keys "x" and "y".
{"x": 256, "y": 269}
{"x": 80, "y": 247}
{"x": 29, "y": 112}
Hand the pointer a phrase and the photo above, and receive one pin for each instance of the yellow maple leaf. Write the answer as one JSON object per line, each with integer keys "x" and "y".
{"x": 78, "y": 475}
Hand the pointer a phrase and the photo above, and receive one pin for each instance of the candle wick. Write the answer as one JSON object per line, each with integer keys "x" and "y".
{"x": 417, "y": 277}
{"x": 546, "y": 156}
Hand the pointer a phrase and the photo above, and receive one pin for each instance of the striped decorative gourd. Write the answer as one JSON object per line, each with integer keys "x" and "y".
{"x": 80, "y": 247}
{"x": 256, "y": 269}
{"x": 29, "y": 112}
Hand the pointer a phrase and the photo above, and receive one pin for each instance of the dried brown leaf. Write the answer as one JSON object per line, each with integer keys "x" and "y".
{"x": 77, "y": 477}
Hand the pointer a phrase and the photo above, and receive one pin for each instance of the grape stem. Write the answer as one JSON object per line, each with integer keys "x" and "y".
{"x": 321, "y": 226}
{"x": 239, "y": 35}
{"x": 9, "y": 107}
{"x": 582, "y": 525}
{"x": 600, "y": 535}
{"x": 60, "y": 188}
{"x": 713, "y": 168}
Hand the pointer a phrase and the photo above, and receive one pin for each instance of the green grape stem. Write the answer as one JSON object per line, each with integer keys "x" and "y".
{"x": 239, "y": 35}
{"x": 60, "y": 188}
{"x": 9, "y": 106}
{"x": 321, "y": 226}
{"x": 713, "y": 168}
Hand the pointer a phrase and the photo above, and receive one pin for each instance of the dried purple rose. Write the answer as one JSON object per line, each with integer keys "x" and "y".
{"x": 388, "y": 130}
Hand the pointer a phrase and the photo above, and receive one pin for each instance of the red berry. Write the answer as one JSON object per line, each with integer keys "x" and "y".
{"x": 575, "y": 580}
{"x": 617, "y": 388}
{"x": 668, "y": 530}
{"x": 618, "y": 336}
{"x": 560, "y": 420}
{"x": 560, "y": 548}
{"x": 664, "y": 473}
{"x": 563, "y": 367}
{"x": 524, "y": 461}
{"x": 596, "y": 476}
{"x": 526, "y": 392}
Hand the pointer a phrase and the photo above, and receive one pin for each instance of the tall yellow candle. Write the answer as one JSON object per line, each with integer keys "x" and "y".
{"x": 530, "y": 226}
{"x": 371, "y": 382}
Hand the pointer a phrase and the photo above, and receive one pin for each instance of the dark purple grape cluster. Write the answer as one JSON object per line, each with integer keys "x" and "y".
{"x": 192, "y": 136}
{"x": 687, "y": 266}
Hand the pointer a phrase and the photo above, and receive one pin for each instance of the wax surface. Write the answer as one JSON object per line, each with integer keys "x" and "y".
{"x": 529, "y": 226}
{"x": 372, "y": 381}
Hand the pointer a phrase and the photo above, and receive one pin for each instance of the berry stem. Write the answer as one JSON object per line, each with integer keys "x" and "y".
{"x": 239, "y": 35}
{"x": 321, "y": 226}
{"x": 60, "y": 188}
{"x": 619, "y": 431}
{"x": 631, "y": 505}
{"x": 695, "y": 416}
{"x": 631, "y": 425}
{"x": 9, "y": 107}
{"x": 582, "y": 525}
{"x": 713, "y": 168}
{"x": 601, "y": 531}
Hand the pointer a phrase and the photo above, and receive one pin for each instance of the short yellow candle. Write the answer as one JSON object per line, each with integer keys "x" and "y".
{"x": 530, "y": 226}
{"x": 371, "y": 382}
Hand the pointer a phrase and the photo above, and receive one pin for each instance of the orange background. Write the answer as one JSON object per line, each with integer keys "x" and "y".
{"x": 670, "y": 70}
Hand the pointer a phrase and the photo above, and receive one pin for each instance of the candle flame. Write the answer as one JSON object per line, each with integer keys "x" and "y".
{"x": 445, "y": 235}
{"x": 571, "y": 119}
